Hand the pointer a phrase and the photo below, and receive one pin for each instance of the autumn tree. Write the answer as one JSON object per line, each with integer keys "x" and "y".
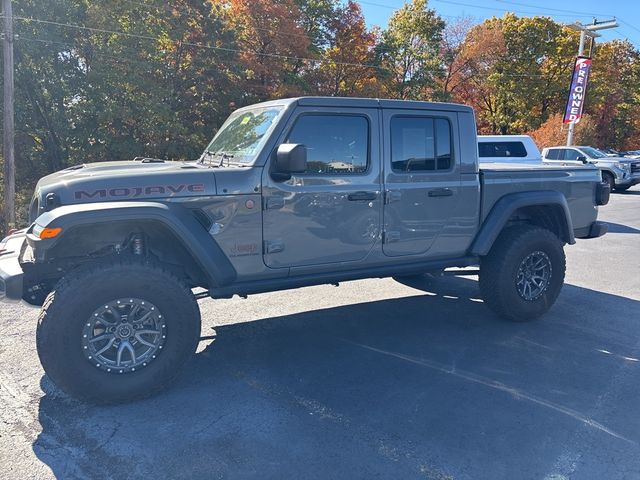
{"x": 271, "y": 38}
{"x": 514, "y": 71}
{"x": 472, "y": 80}
{"x": 455, "y": 60}
{"x": 409, "y": 51}
{"x": 613, "y": 96}
{"x": 553, "y": 132}
{"x": 346, "y": 67}
{"x": 317, "y": 18}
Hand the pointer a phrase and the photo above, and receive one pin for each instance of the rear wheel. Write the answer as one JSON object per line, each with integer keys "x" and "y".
{"x": 116, "y": 333}
{"x": 522, "y": 275}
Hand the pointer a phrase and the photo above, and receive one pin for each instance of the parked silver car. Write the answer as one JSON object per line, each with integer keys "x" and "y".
{"x": 620, "y": 173}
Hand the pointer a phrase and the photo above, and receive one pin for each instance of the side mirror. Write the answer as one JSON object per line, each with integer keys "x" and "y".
{"x": 291, "y": 158}
{"x": 582, "y": 159}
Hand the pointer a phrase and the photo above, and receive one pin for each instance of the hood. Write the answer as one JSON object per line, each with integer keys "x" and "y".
{"x": 126, "y": 180}
{"x": 614, "y": 160}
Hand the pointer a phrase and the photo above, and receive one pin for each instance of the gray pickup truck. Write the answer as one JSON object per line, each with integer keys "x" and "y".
{"x": 289, "y": 193}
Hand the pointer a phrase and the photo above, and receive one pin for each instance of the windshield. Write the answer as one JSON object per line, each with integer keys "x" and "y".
{"x": 243, "y": 134}
{"x": 593, "y": 153}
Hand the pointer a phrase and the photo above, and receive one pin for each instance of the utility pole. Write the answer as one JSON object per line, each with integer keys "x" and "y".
{"x": 587, "y": 31}
{"x": 8, "y": 131}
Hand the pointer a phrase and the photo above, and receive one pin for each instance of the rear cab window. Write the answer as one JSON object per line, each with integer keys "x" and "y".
{"x": 502, "y": 150}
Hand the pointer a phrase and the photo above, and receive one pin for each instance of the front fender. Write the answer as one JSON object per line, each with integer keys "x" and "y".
{"x": 504, "y": 208}
{"x": 204, "y": 250}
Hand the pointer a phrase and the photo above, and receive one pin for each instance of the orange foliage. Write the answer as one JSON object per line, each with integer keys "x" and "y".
{"x": 344, "y": 70}
{"x": 553, "y": 132}
{"x": 269, "y": 33}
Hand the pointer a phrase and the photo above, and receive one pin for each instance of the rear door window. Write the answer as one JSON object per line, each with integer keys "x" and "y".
{"x": 571, "y": 154}
{"x": 420, "y": 144}
{"x": 502, "y": 149}
{"x": 553, "y": 154}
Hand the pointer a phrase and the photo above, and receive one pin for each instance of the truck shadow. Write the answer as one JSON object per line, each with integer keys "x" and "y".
{"x": 620, "y": 228}
{"x": 427, "y": 386}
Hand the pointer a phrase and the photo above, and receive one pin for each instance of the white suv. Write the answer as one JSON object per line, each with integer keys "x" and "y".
{"x": 619, "y": 172}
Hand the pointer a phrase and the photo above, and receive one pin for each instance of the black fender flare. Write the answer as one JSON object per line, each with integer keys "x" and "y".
{"x": 197, "y": 241}
{"x": 507, "y": 205}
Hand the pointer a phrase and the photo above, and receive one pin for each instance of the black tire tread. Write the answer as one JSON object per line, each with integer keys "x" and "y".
{"x": 54, "y": 307}
{"x": 503, "y": 253}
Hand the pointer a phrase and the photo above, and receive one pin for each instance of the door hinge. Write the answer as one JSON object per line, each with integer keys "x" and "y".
{"x": 390, "y": 236}
{"x": 273, "y": 246}
{"x": 391, "y": 196}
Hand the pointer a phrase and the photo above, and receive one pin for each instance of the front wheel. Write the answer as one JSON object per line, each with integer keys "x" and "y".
{"x": 521, "y": 277}
{"x": 608, "y": 178}
{"x": 116, "y": 333}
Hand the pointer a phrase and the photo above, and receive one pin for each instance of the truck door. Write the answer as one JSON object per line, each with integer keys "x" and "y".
{"x": 333, "y": 211}
{"x": 422, "y": 181}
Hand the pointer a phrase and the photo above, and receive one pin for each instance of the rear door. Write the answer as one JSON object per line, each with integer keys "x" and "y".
{"x": 422, "y": 179}
{"x": 564, "y": 156}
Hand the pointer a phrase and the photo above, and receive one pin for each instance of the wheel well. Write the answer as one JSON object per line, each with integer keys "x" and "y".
{"x": 550, "y": 217}
{"x": 149, "y": 238}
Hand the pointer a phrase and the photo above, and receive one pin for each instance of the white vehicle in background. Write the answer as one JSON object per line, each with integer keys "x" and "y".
{"x": 508, "y": 149}
{"x": 621, "y": 173}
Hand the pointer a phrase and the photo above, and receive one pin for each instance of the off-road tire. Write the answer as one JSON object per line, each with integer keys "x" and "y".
{"x": 608, "y": 178}
{"x": 72, "y": 302}
{"x": 499, "y": 269}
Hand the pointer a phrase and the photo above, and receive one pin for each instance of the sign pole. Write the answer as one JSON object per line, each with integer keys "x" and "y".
{"x": 591, "y": 31}
{"x": 8, "y": 130}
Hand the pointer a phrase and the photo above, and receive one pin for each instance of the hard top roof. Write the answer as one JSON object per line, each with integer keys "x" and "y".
{"x": 365, "y": 103}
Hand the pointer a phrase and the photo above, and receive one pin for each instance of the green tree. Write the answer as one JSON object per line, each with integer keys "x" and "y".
{"x": 514, "y": 71}
{"x": 613, "y": 97}
{"x": 409, "y": 50}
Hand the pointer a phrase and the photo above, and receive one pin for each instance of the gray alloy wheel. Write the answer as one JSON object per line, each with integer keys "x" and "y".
{"x": 534, "y": 275}
{"x": 123, "y": 335}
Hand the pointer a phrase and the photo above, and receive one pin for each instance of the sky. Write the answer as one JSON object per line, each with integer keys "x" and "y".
{"x": 627, "y": 12}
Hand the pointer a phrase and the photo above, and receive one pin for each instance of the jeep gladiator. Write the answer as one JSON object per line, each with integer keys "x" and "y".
{"x": 289, "y": 193}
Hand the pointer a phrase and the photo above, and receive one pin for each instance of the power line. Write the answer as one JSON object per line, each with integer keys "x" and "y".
{"x": 574, "y": 12}
{"x": 146, "y": 62}
{"x": 168, "y": 8}
{"x": 197, "y": 45}
{"x": 482, "y": 7}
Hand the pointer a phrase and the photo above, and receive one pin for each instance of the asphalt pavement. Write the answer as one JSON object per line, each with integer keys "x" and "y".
{"x": 374, "y": 379}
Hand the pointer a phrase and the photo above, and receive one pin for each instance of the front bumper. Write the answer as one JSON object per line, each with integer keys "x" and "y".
{"x": 628, "y": 180}
{"x": 11, "y": 274}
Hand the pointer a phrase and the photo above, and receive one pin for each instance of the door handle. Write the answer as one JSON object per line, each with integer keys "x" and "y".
{"x": 441, "y": 192}
{"x": 358, "y": 196}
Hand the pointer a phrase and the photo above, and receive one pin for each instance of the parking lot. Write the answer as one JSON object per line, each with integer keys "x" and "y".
{"x": 375, "y": 379}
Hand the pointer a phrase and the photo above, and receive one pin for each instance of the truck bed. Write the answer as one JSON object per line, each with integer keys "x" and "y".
{"x": 575, "y": 182}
